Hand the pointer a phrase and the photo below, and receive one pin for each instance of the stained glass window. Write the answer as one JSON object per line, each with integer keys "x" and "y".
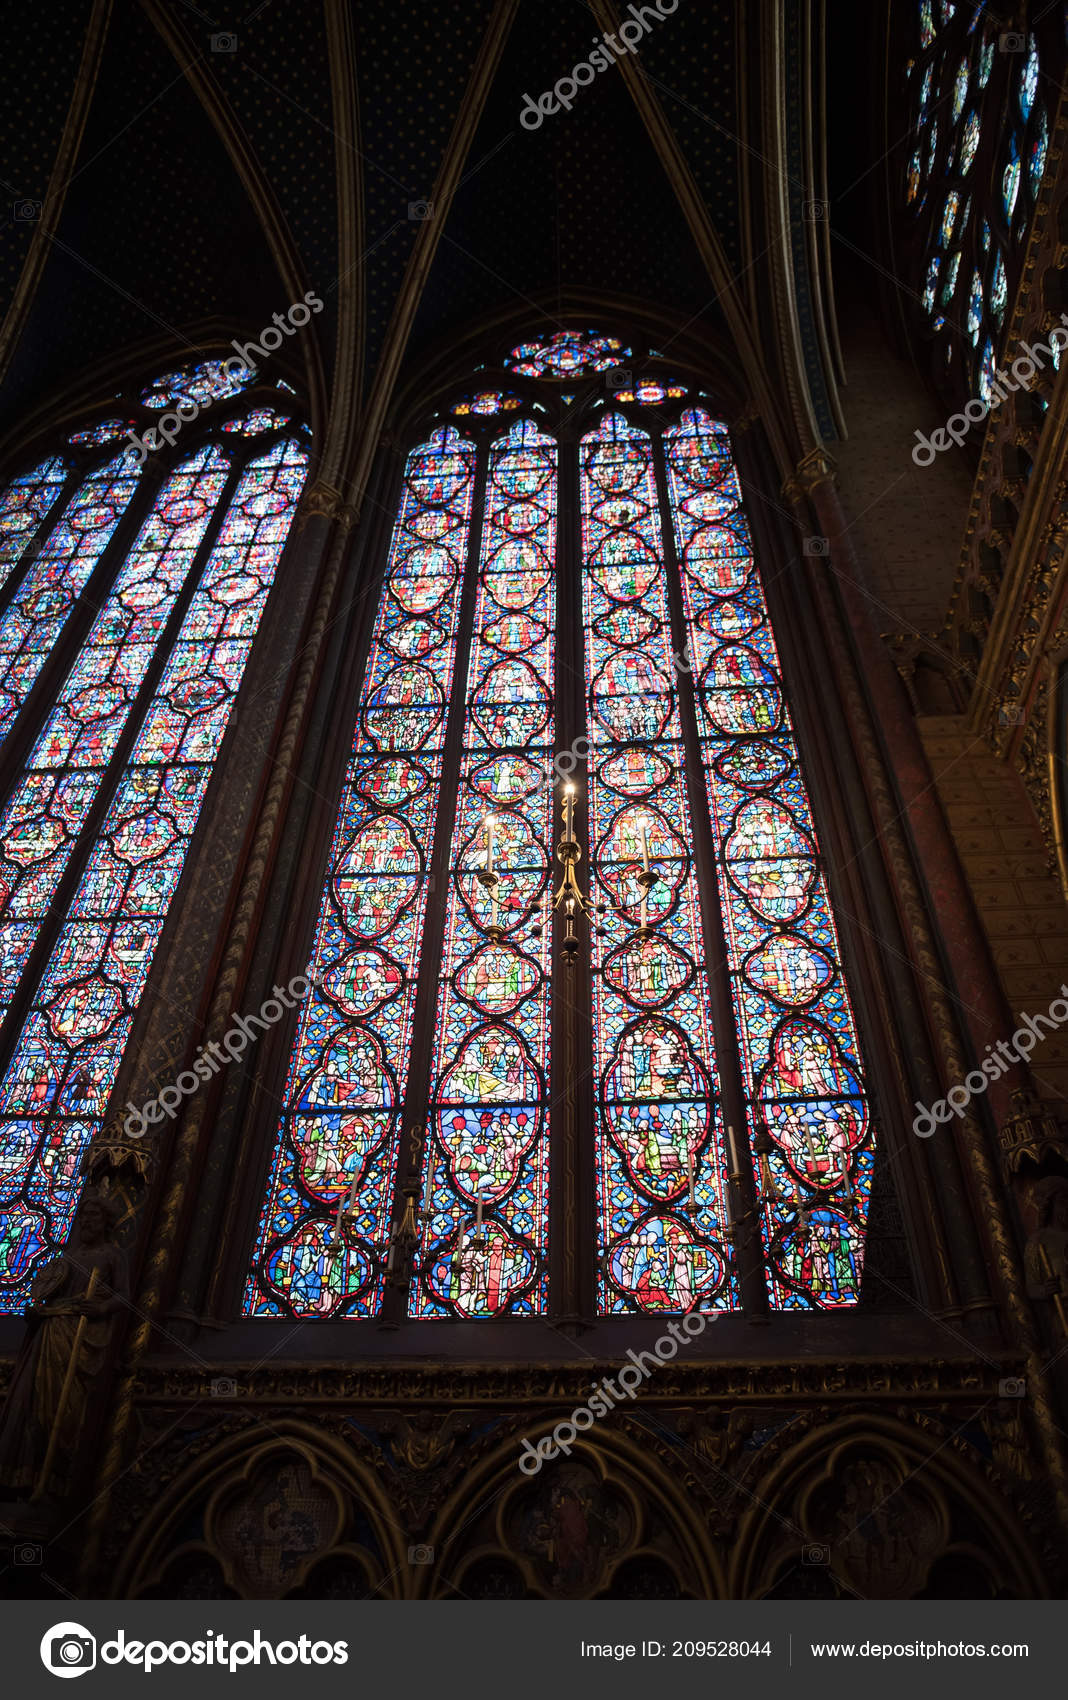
{"x": 925, "y": 92}
{"x": 348, "y": 1073}
{"x": 951, "y": 279}
{"x": 50, "y": 803}
{"x": 651, "y": 393}
{"x": 975, "y": 308}
{"x": 795, "y": 1027}
{"x": 61, "y": 572}
{"x": 212, "y": 380}
{"x": 486, "y": 403}
{"x": 914, "y": 176}
{"x": 969, "y": 141}
{"x": 976, "y": 116}
{"x": 255, "y": 423}
{"x": 960, "y": 90}
{"x": 24, "y": 505}
{"x": 111, "y": 792}
{"x": 661, "y": 1138}
{"x": 998, "y": 290}
{"x": 105, "y": 432}
{"x": 431, "y": 1061}
{"x": 986, "y": 64}
{"x": 490, "y": 1100}
{"x": 949, "y": 215}
{"x": 1039, "y": 148}
{"x": 987, "y": 369}
{"x": 567, "y": 354}
{"x": 1010, "y": 182}
{"x": 1029, "y": 80}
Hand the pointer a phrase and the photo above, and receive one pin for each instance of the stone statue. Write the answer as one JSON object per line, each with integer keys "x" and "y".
{"x": 73, "y": 1301}
{"x": 1045, "y": 1254}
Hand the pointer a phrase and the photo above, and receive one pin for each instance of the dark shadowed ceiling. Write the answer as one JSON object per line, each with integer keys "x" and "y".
{"x": 200, "y": 167}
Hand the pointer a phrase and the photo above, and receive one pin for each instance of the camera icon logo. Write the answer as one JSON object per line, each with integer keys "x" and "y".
{"x": 1012, "y": 1387}
{"x": 420, "y": 211}
{"x": 818, "y": 546}
{"x": 68, "y": 1649}
{"x": 814, "y": 212}
{"x": 420, "y": 1555}
{"x": 619, "y": 378}
{"x": 223, "y": 42}
{"x": 26, "y": 212}
{"x": 1011, "y": 42}
{"x": 816, "y": 1555}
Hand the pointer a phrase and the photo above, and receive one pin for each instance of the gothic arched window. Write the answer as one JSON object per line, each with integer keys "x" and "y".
{"x": 571, "y": 648}
{"x": 979, "y": 138}
{"x": 136, "y": 565}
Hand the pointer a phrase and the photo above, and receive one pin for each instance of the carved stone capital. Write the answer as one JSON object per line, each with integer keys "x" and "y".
{"x": 322, "y": 499}
{"x": 816, "y": 467}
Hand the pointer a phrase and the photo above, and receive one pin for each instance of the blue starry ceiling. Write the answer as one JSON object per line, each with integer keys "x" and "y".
{"x": 158, "y": 233}
{"x": 580, "y": 203}
{"x": 32, "y": 117}
{"x": 277, "y": 82}
{"x": 410, "y": 84}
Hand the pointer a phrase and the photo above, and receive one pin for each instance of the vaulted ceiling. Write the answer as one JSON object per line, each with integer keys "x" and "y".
{"x": 177, "y": 174}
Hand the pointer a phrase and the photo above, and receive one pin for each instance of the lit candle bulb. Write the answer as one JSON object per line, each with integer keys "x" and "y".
{"x": 690, "y": 1176}
{"x": 644, "y": 825}
{"x": 569, "y": 804}
{"x": 813, "y": 1153}
{"x": 736, "y": 1167}
{"x": 490, "y": 824}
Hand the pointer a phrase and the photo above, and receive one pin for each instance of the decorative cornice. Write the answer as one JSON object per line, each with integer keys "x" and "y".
{"x": 479, "y": 1384}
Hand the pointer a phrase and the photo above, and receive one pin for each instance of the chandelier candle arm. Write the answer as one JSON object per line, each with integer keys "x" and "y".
{"x": 736, "y": 1167}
